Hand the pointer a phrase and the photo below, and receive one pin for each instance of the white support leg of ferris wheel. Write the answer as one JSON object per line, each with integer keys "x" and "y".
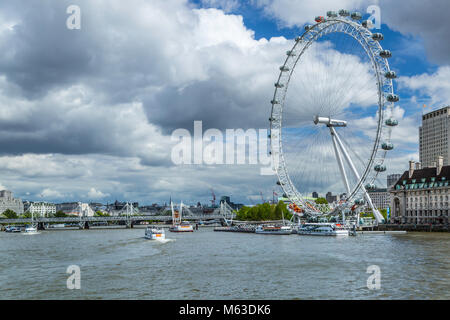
{"x": 341, "y": 167}
{"x": 376, "y": 213}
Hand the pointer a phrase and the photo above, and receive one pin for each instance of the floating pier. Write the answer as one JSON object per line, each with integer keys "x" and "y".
{"x": 244, "y": 229}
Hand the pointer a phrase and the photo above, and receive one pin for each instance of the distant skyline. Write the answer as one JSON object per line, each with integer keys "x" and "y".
{"x": 87, "y": 115}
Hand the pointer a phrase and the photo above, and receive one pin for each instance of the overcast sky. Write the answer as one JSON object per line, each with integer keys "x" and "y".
{"x": 88, "y": 114}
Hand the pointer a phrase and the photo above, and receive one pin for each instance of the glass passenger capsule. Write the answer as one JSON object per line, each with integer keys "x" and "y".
{"x": 380, "y": 168}
{"x": 290, "y": 53}
{"x": 391, "y": 122}
{"x": 319, "y": 19}
{"x": 356, "y": 16}
{"x": 385, "y": 54}
{"x": 331, "y": 14}
{"x": 370, "y": 186}
{"x": 344, "y": 13}
{"x": 377, "y": 36}
{"x": 387, "y": 146}
{"x": 359, "y": 201}
{"x": 393, "y": 98}
{"x": 367, "y": 24}
{"x": 390, "y": 75}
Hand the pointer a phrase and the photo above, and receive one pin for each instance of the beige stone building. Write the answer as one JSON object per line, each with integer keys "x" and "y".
{"x": 421, "y": 195}
{"x": 434, "y": 135}
{"x": 380, "y": 198}
{"x": 7, "y": 201}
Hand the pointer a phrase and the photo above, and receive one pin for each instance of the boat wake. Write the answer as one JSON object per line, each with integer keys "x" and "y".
{"x": 164, "y": 240}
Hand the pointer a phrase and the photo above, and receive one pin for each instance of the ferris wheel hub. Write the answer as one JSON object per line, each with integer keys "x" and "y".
{"x": 329, "y": 122}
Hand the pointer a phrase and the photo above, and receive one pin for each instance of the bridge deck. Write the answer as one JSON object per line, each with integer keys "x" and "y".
{"x": 107, "y": 219}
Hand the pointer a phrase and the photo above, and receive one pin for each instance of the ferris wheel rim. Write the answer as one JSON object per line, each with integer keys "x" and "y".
{"x": 384, "y": 85}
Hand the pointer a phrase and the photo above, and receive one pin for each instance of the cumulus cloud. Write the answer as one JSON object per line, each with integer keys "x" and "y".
{"x": 96, "y": 194}
{"x": 433, "y": 88}
{"x": 410, "y": 17}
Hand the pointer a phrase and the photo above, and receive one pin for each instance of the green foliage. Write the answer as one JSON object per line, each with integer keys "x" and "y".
{"x": 370, "y": 214}
{"x": 321, "y": 201}
{"x": 60, "y": 214}
{"x": 264, "y": 212}
{"x": 101, "y": 214}
{"x": 27, "y": 215}
{"x": 9, "y": 214}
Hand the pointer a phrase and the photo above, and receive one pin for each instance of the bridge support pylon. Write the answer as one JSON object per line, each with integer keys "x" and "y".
{"x": 83, "y": 225}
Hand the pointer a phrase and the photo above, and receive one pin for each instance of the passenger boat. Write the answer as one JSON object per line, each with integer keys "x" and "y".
{"x": 12, "y": 229}
{"x": 322, "y": 229}
{"x": 153, "y": 233}
{"x": 273, "y": 229}
{"x": 177, "y": 224}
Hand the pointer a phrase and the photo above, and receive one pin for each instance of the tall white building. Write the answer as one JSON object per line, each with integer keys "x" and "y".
{"x": 434, "y": 135}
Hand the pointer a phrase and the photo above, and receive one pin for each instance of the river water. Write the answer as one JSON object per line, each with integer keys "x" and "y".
{"x": 121, "y": 264}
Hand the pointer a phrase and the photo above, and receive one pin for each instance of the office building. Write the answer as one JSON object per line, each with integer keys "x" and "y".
{"x": 434, "y": 135}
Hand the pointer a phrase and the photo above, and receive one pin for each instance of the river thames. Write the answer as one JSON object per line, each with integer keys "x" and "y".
{"x": 121, "y": 264}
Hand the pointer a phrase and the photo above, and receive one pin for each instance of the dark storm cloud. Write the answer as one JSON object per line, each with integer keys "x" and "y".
{"x": 427, "y": 19}
{"x": 216, "y": 103}
{"x": 40, "y": 52}
{"x": 122, "y": 56}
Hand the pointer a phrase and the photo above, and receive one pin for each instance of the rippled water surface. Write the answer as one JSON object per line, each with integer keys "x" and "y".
{"x": 121, "y": 264}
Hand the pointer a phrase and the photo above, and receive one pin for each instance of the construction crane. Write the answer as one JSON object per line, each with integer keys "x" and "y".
{"x": 213, "y": 200}
{"x": 262, "y": 197}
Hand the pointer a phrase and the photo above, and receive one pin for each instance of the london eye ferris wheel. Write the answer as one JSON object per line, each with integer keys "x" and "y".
{"x": 333, "y": 113}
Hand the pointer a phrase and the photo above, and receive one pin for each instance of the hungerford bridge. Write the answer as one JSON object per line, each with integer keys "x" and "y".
{"x": 128, "y": 215}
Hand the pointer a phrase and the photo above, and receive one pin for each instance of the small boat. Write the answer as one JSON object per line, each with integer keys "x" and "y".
{"x": 322, "y": 229}
{"x": 31, "y": 230}
{"x": 177, "y": 224}
{"x": 12, "y": 229}
{"x": 153, "y": 233}
{"x": 273, "y": 229}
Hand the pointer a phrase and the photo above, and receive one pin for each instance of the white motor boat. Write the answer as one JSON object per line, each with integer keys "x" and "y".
{"x": 273, "y": 229}
{"x": 153, "y": 233}
{"x": 31, "y": 230}
{"x": 322, "y": 229}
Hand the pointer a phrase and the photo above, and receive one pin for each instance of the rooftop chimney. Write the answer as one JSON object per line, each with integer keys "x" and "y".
{"x": 411, "y": 169}
{"x": 440, "y": 164}
{"x": 418, "y": 166}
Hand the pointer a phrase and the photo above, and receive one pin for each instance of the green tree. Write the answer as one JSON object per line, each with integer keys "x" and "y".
{"x": 10, "y": 214}
{"x": 60, "y": 214}
{"x": 101, "y": 214}
{"x": 264, "y": 212}
{"x": 321, "y": 201}
{"x": 26, "y": 214}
